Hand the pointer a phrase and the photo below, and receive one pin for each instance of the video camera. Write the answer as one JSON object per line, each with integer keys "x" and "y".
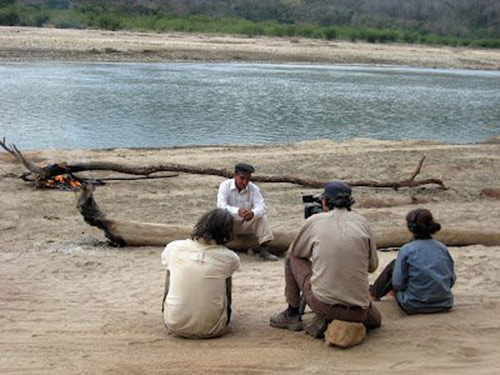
{"x": 312, "y": 205}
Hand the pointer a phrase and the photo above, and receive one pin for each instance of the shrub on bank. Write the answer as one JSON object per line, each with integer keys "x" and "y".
{"x": 105, "y": 21}
{"x": 329, "y": 33}
{"x": 9, "y": 16}
{"x": 95, "y": 15}
{"x": 485, "y": 43}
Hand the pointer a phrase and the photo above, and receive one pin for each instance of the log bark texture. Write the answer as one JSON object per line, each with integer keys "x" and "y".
{"x": 132, "y": 233}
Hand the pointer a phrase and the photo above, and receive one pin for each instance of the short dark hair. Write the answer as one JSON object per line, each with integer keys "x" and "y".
{"x": 421, "y": 223}
{"x": 243, "y": 168}
{"x": 216, "y": 225}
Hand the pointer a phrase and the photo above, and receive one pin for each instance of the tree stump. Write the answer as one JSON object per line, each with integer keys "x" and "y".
{"x": 344, "y": 334}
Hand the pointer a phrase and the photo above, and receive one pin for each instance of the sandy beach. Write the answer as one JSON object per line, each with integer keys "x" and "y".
{"x": 25, "y": 43}
{"x": 71, "y": 304}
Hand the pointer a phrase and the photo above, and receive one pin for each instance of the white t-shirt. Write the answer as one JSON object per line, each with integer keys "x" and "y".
{"x": 196, "y": 303}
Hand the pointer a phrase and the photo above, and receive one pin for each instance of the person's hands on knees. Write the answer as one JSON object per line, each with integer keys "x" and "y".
{"x": 247, "y": 215}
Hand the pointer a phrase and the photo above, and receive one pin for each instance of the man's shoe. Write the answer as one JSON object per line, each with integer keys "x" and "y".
{"x": 317, "y": 327}
{"x": 283, "y": 320}
{"x": 266, "y": 255}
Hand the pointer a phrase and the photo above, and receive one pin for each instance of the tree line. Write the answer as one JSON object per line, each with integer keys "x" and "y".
{"x": 455, "y": 22}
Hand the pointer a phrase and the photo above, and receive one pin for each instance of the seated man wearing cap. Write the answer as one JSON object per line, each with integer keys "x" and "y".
{"x": 329, "y": 262}
{"x": 244, "y": 201}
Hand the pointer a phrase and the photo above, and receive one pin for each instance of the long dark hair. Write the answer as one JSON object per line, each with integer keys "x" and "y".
{"x": 214, "y": 225}
{"x": 421, "y": 223}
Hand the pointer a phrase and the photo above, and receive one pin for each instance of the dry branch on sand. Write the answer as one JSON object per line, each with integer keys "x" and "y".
{"x": 50, "y": 171}
{"x": 131, "y": 233}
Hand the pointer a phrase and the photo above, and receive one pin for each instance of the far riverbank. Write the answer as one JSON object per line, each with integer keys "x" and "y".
{"x": 34, "y": 44}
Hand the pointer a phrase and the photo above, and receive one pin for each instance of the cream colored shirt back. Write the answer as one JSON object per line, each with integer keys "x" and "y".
{"x": 196, "y": 303}
{"x": 341, "y": 247}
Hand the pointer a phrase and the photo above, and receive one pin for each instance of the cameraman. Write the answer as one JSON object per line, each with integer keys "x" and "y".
{"x": 329, "y": 262}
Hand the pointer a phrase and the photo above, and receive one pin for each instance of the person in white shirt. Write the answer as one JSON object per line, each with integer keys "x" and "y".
{"x": 197, "y": 299}
{"x": 244, "y": 201}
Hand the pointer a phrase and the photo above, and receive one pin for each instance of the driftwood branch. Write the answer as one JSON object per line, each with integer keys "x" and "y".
{"x": 35, "y": 169}
{"x": 132, "y": 178}
{"x": 65, "y": 168}
{"x": 130, "y": 233}
{"x": 102, "y": 181}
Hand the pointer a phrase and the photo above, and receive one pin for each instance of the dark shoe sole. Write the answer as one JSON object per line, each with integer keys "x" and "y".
{"x": 268, "y": 256}
{"x": 317, "y": 329}
{"x": 298, "y": 326}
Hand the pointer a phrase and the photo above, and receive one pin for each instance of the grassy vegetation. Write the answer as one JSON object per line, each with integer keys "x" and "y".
{"x": 158, "y": 21}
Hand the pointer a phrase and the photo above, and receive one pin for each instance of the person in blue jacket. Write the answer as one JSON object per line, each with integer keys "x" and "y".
{"x": 423, "y": 273}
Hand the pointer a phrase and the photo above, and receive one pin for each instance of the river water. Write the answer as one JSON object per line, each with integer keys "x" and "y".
{"x": 105, "y": 105}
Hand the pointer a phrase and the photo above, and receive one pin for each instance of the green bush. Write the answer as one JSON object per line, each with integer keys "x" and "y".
{"x": 306, "y": 30}
{"x": 280, "y": 30}
{"x": 178, "y": 24}
{"x": 9, "y": 16}
{"x": 486, "y": 43}
{"x": 200, "y": 18}
{"x": 6, "y": 2}
{"x": 34, "y": 19}
{"x": 108, "y": 22}
{"x": 361, "y": 34}
{"x": 429, "y": 39}
{"x": 317, "y": 34}
{"x": 58, "y": 4}
{"x": 252, "y": 30}
{"x": 41, "y": 19}
{"x": 410, "y": 37}
{"x": 371, "y": 38}
{"x": 276, "y": 30}
{"x": 72, "y": 24}
{"x": 162, "y": 24}
{"x": 387, "y": 36}
{"x": 450, "y": 41}
{"x": 330, "y": 33}
{"x": 228, "y": 25}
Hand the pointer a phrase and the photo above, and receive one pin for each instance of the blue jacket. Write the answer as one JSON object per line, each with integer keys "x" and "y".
{"x": 423, "y": 277}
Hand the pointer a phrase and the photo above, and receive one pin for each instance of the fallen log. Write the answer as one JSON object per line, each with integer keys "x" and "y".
{"x": 52, "y": 170}
{"x": 131, "y": 233}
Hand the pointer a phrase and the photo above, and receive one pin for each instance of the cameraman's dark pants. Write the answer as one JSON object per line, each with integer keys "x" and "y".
{"x": 298, "y": 272}
{"x": 383, "y": 284}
